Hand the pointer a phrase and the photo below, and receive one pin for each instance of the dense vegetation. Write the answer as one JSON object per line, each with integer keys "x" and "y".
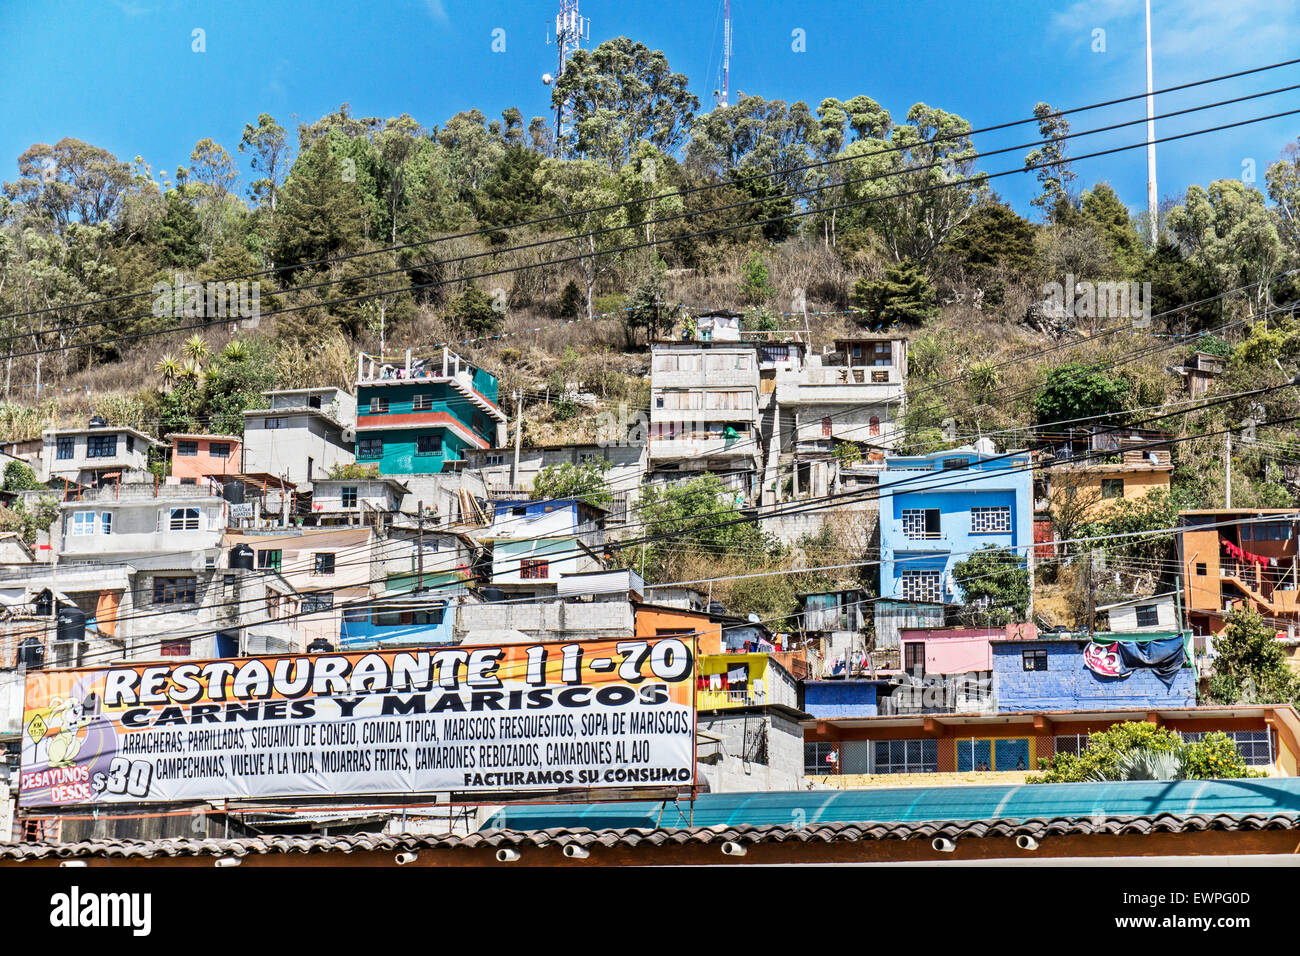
{"x": 365, "y": 231}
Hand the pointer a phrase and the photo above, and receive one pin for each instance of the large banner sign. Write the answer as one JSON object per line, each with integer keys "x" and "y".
{"x": 468, "y": 719}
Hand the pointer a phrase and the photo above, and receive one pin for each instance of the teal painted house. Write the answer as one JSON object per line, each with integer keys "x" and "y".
{"x": 416, "y": 414}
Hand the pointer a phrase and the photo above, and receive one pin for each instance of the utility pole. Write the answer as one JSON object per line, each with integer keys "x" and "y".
{"x": 1227, "y": 469}
{"x": 419, "y": 548}
{"x": 1092, "y": 597}
{"x": 519, "y": 431}
{"x": 1151, "y": 140}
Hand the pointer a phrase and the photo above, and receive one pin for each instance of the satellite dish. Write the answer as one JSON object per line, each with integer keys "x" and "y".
{"x": 546, "y": 78}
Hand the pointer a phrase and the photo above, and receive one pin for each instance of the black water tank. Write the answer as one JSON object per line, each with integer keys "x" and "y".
{"x": 72, "y": 625}
{"x": 241, "y": 558}
{"x": 320, "y": 646}
{"x": 98, "y": 421}
{"x": 44, "y": 604}
{"x": 716, "y": 607}
{"x": 233, "y": 492}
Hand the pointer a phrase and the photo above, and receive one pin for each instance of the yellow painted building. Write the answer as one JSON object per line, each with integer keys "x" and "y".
{"x": 1092, "y": 490}
{"x": 743, "y": 680}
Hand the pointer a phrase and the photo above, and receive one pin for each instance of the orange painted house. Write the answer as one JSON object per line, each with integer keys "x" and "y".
{"x": 205, "y": 456}
{"x": 653, "y": 620}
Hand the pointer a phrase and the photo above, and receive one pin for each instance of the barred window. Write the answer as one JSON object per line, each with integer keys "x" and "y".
{"x": 922, "y": 586}
{"x": 906, "y": 756}
{"x": 921, "y": 523}
{"x": 184, "y": 519}
{"x": 317, "y": 601}
{"x": 990, "y": 520}
{"x": 1256, "y": 746}
{"x": 818, "y": 758}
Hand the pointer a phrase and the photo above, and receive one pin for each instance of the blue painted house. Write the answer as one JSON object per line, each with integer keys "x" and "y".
{"x": 1050, "y": 673}
{"x": 830, "y": 699}
{"x": 936, "y": 509}
{"x": 416, "y": 414}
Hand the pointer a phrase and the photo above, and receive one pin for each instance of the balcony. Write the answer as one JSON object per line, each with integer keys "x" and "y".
{"x": 722, "y": 699}
{"x": 703, "y": 445}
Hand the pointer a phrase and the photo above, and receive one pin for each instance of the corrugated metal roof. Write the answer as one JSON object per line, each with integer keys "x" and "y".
{"x": 925, "y": 804}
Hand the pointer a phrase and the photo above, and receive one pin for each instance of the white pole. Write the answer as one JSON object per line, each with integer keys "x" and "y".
{"x": 1151, "y": 138}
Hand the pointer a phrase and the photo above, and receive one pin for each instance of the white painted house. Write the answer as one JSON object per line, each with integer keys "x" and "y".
{"x": 300, "y": 434}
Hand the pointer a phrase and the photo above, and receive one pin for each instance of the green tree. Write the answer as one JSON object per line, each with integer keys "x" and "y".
{"x": 1110, "y": 217}
{"x": 320, "y": 210}
{"x": 473, "y": 310}
{"x": 28, "y": 523}
{"x": 1140, "y": 750}
{"x": 267, "y": 142}
{"x": 619, "y": 93}
{"x": 1228, "y": 230}
{"x": 584, "y": 481}
{"x": 648, "y": 308}
{"x": 1250, "y": 665}
{"x": 916, "y": 180}
{"x": 1049, "y": 162}
{"x": 904, "y": 295}
{"x": 511, "y": 193}
{"x": 1076, "y": 391}
{"x": 234, "y": 382}
{"x": 995, "y": 586}
{"x": 19, "y": 477}
{"x": 702, "y": 511}
{"x": 755, "y": 289}
{"x": 572, "y": 304}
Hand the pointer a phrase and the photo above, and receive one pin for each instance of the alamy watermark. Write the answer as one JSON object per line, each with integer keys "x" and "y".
{"x": 1099, "y": 300}
{"x": 208, "y": 300}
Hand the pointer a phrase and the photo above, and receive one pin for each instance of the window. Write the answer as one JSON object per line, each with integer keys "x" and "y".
{"x": 269, "y": 560}
{"x": 422, "y": 403}
{"x": 106, "y": 522}
{"x": 370, "y": 447}
{"x": 378, "y": 406}
{"x": 428, "y": 445}
{"x": 491, "y": 460}
{"x": 83, "y": 522}
{"x": 906, "y": 756}
{"x": 184, "y": 519}
{"x": 1112, "y": 487}
{"x": 349, "y": 494}
{"x": 921, "y": 523}
{"x": 274, "y": 423}
{"x": 130, "y": 443}
{"x": 879, "y": 377}
{"x": 1200, "y": 568}
{"x": 189, "y": 481}
{"x": 956, "y": 464}
{"x": 175, "y": 590}
{"x": 179, "y": 647}
{"x": 990, "y": 520}
{"x": 1070, "y": 743}
{"x": 187, "y": 448}
{"x": 534, "y": 568}
{"x": 101, "y": 446}
{"x": 219, "y": 449}
{"x": 914, "y": 658}
{"x": 921, "y": 586}
{"x": 1256, "y": 746}
{"x": 323, "y": 562}
{"x": 1006, "y": 754}
{"x": 1270, "y": 531}
{"x": 818, "y": 758}
{"x": 1148, "y": 615}
{"x": 1033, "y": 660}
{"x": 319, "y": 601}
{"x": 882, "y": 354}
{"x": 67, "y": 448}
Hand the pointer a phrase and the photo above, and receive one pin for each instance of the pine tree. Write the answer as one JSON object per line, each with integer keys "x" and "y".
{"x": 904, "y": 295}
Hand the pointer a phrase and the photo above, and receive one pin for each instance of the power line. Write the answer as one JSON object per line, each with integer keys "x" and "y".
{"x": 956, "y": 136}
{"x": 602, "y": 253}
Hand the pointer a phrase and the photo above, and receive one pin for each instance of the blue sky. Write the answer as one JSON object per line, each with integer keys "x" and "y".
{"x": 121, "y": 73}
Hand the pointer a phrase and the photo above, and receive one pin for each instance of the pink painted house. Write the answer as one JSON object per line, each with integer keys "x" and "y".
{"x": 957, "y": 650}
{"x": 204, "y": 456}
